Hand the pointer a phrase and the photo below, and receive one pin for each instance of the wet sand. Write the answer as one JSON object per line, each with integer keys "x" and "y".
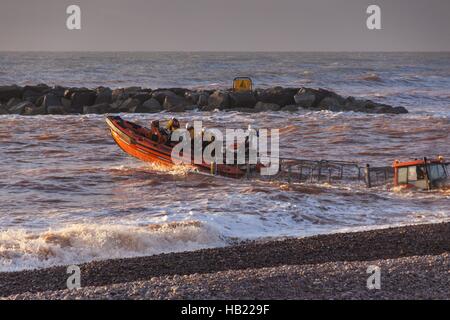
{"x": 414, "y": 262}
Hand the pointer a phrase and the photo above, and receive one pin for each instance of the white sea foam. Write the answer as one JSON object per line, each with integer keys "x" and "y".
{"x": 73, "y": 244}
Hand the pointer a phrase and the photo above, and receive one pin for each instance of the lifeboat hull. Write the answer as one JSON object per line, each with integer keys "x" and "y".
{"x": 133, "y": 140}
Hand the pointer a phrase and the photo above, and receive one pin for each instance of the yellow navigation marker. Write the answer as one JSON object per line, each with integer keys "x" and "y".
{"x": 242, "y": 84}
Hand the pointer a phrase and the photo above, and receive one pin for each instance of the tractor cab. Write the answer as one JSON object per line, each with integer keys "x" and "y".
{"x": 421, "y": 174}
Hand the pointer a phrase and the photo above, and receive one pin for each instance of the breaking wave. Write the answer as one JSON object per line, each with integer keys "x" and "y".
{"x": 78, "y": 243}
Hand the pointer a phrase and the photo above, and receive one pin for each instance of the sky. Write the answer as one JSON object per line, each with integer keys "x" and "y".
{"x": 225, "y": 25}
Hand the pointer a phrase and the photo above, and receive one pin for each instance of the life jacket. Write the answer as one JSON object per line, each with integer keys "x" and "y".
{"x": 172, "y": 125}
{"x": 156, "y": 134}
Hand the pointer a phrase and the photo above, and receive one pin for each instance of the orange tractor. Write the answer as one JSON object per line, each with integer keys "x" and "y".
{"x": 422, "y": 174}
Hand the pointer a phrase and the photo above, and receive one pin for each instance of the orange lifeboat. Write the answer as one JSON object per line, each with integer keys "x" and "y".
{"x": 135, "y": 140}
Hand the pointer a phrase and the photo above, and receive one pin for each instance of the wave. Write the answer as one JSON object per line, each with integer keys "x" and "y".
{"x": 371, "y": 77}
{"x": 79, "y": 243}
{"x": 174, "y": 170}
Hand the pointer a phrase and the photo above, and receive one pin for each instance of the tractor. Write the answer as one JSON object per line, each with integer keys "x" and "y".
{"x": 422, "y": 174}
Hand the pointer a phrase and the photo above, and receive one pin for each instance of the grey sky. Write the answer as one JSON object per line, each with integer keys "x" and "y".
{"x": 217, "y": 25}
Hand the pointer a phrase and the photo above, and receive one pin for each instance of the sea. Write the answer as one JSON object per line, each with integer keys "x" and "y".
{"x": 69, "y": 195}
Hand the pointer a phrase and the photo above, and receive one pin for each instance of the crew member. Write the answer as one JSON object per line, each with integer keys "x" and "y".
{"x": 173, "y": 125}
{"x": 190, "y": 129}
{"x": 155, "y": 132}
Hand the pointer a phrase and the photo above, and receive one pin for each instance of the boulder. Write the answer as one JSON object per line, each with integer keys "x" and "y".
{"x": 3, "y": 110}
{"x": 129, "y": 105}
{"x": 203, "y": 99}
{"x": 116, "y": 93}
{"x": 81, "y": 99}
{"x": 399, "y": 110}
{"x": 160, "y": 95}
{"x": 142, "y": 96}
{"x": 149, "y": 106}
{"x": 177, "y": 108}
{"x": 51, "y": 100}
{"x": 322, "y": 99}
{"x": 57, "y": 110}
{"x": 219, "y": 100}
{"x": 97, "y": 109}
{"x": 357, "y": 105}
{"x": 173, "y": 101}
{"x": 57, "y": 91}
{"x": 263, "y": 107}
{"x": 322, "y": 94}
{"x": 331, "y": 103}
{"x": 104, "y": 95}
{"x": 8, "y": 92}
{"x": 182, "y": 92}
{"x": 39, "y": 101}
{"x": 290, "y": 108}
{"x": 33, "y": 93}
{"x": 115, "y": 106}
{"x": 372, "y": 107}
{"x": 39, "y": 89}
{"x": 147, "y": 90}
{"x": 32, "y": 110}
{"x": 152, "y": 104}
{"x": 192, "y": 97}
{"x": 243, "y": 99}
{"x": 32, "y": 96}
{"x": 278, "y": 95}
{"x": 66, "y": 103}
{"x": 349, "y": 101}
{"x": 12, "y": 102}
{"x": 304, "y": 98}
{"x": 368, "y": 106}
{"x": 21, "y": 108}
{"x": 69, "y": 92}
{"x": 132, "y": 90}
{"x": 208, "y": 108}
{"x": 311, "y": 98}
{"x": 123, "y": 94}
